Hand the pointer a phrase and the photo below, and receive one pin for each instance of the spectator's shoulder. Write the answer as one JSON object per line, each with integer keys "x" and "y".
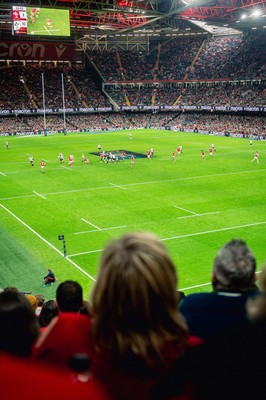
{"x": 196, "y": 300}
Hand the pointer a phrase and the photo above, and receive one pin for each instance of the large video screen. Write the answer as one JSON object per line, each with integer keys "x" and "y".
{"x": 40, "y": 21}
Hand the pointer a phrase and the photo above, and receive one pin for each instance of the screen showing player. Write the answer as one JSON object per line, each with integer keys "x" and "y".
{"x": 38, "y": 21}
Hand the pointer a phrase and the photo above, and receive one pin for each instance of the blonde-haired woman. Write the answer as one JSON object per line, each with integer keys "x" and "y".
{"x": 137, "y": 329}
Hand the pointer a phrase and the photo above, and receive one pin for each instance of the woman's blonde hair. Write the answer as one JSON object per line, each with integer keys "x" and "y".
{"x": 256, "y": 306}
{"x": 135, "y": 302}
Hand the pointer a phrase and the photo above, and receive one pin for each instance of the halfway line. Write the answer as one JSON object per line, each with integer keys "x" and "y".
{"x": 46, "y": 241}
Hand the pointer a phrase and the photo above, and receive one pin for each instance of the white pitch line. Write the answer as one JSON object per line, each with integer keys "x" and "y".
{"x": 120, "y": 187}
{"x": 85, "y": 252}
{"x": 196, "y": 286}
{"x": 214, "y": 230}
{"x": 198, "y": 215}
{"x": 87, "y": 222}
{"x": 99, "y": 230}
{"x": 142, "y": 183}
{"x": 46, "y": 241}
{"x": 18, "y": 197}
{"x": 184, "y": 209}
{"x": 205, "y": 284}
{"x": 38, "y": 194}
{"x": 1, "y": 173}
{"x": 189, "y": 234}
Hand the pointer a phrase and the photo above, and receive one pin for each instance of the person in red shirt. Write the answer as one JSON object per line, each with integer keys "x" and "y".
{"x": 70, "y": 161}
{"x": 68, "y": 333}
{"x": 211, "y": 151}
{"x": 42, "y": 166}
{"x": 256, "y": 157}
{"x": 49, "y": 22}
{"x": 123, "y": 155}
{"x": 178, "y": 151}
{"x": 149, "y": 154}
{"x": 202, "y": 155}
{"x": 102, "y": 157}
{"x": 132, "y": 160}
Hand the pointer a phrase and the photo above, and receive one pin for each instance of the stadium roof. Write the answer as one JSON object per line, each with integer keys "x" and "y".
{"x": 153, "y": 17}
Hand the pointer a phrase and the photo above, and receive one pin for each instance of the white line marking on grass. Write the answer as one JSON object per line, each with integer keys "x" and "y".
{"x": 85, "y": 252}
{"x": 196, "y": 286}
{"x": 63, "y": 166}
{"x": 184, "y": 209}
{"x": 205, "y": 284}
{"x": 198, "y": 215}
{"x": 47, "y": 30}
{"x": 99, "y": 230}
{"x": 214, "y": 230}
{"x": 183, "y": 236}
{"x": 143, "y": 183}
{"x": 1, "y": 173}
{"x": 46, "y": 241}
{"x": 38, "y": 194}
{"x": 121, "y": 187}
{"x": 87, "y": 222}
{"x": 18, "y": 197}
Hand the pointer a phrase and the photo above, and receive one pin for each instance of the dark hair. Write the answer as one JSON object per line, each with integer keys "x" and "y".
{"x": 19, "y": 325}
{"x": 69, "y": 296}
{"x": 85, "y": 308}
{"x": 48, "y": 312}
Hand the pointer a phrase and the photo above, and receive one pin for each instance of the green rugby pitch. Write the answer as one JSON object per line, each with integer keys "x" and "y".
{"x": 194, "y": 206}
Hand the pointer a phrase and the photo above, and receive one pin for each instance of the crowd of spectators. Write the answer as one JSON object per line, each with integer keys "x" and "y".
{"x": 138, "y": 336}
{"x": 30, "y": 86}
{"x": 236, "y": 57}
{"x": 227, "y": 95}
{"x": 215, "y": 53}
{"x": 222, "y": 124}
{"x": 34, "y": 85}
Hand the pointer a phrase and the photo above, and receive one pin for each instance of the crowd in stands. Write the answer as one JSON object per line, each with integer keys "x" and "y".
{"x": 220, "y": 124}
{"x": 236, "y": 57}
{"x": 226, "y": 95}
{"x": 138, "y": 337}
{"x": 215, "y": 53}
{"x": 34, "y": 85}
